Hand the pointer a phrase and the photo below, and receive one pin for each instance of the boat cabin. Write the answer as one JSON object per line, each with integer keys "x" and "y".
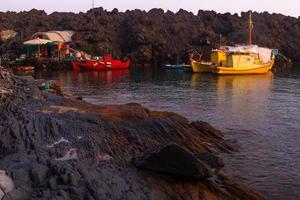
{"x": 241, "y": 56}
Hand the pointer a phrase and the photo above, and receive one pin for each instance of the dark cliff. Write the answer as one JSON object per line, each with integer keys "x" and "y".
{"x": 156, "y": 36}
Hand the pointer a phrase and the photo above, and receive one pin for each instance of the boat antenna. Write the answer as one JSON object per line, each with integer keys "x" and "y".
{"x": 93, "y": 4}
{"x": 220, "y": 40}
{"x": 250, "y": 27}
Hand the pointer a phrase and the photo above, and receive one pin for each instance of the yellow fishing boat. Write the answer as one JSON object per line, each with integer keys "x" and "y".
{"x": 262, "y": 69}
{"x": 248, "y": 59}
{"x": 201, "y": 67}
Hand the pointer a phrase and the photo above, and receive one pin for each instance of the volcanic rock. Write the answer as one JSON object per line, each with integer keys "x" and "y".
{"x": 38, "y": 173}
{"x": 211, "y": 160}
{"x": 156, "y": 36}
{"x": 16, "y": 194}
{"x": 173, "y": 160}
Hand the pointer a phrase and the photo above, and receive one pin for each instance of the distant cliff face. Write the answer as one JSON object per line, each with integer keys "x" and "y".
{"x": 156, "y": 36}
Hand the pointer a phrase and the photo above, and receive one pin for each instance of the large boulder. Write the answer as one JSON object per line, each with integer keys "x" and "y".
{"x": 173, "y": 160}
{"x": 211, "y": 160}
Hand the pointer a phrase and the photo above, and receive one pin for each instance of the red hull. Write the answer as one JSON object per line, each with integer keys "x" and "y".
{"x": 100, "y": 65}
{"x": 92, "y": 65}
{"x": 117, "y": 64}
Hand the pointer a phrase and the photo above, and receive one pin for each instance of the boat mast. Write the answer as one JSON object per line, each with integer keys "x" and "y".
{"x": 250, "y": 27}
{"x": 93, "y": 4}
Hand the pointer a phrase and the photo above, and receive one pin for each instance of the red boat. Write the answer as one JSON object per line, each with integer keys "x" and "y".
{"x": 106, "y": 64}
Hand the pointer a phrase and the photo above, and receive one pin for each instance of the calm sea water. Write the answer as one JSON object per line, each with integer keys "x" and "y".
{"x": 262, "y": 112}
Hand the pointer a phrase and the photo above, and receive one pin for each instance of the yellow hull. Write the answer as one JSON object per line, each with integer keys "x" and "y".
{"x": 258, "y": 69}
{"x": 201, "y": 67}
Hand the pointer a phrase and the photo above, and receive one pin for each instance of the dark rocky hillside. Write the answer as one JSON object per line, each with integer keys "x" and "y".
{"x": 156, "y": 36}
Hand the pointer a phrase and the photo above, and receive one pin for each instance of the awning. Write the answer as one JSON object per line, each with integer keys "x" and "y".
{"x": 37, "y": 41}
{"x": 264, "y": 53}
{"x": 241, "y": 49}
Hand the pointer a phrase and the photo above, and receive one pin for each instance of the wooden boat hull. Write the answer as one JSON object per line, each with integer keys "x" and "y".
{"x": 259, "y": 69}
{"x": 100, "y": 65}
{"x": 201, "y": 67}
{"x": 117, "y": 64}
{"x": 91, "y": 65}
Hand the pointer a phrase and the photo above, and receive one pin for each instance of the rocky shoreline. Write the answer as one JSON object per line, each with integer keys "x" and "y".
{"x": 54, "y": 146}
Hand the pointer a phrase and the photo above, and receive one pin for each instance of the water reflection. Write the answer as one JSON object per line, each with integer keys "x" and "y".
{"x": 240, "y": 101}
{"x": 101, "y": 77}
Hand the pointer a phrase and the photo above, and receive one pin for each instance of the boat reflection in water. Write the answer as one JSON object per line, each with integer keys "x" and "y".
{"x": 241, "y": 101}
{"x": 101, "y": 77}
{"x": 87, "y": 83}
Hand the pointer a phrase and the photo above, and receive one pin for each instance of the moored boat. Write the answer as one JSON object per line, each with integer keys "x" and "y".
{"x": 177, "y": 67}
{"x": 107, "y": 63}
{"x": 89, "y": 64}
{"x": 262, "y": 69}
{"x": 243, "y": 59}
{"x": 250, "y": 59}
{"x": 201, "y": 66}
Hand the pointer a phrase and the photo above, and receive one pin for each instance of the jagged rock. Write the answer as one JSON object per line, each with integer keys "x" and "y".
{"x": 173, "y": 160}
{"x": 211, "y": 160}
{"x": 16, "y": 194}
{"x": 52, "y": 183}
{"x": 38, "y": 173}
{"x": 207, "y": 130}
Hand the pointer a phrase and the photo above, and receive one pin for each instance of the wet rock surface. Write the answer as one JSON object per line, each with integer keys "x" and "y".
{"x": 173, "y": 160}
{"x": 56, "y": 147}
{"x": 211, "y": 160}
